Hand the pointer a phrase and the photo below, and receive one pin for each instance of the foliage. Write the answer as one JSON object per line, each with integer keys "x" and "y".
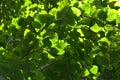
{"x": 59, "y": 39}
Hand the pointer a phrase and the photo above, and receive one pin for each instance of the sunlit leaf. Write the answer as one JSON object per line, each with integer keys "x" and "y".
{"x": 50, "y": 56}
{"x": 117, "y": 21}
{"x": 95, "y": 28}
{"x": 76, "y": 11}
{"x": 104, "y": 39}
{"x": 14, "y": 22}
{"x": 94, "y": 69}
{"x": 109, "y": 27}
{"x": 54, "y": 12}
{"x": 112, "y": 14}
{"x": 81, "y": 33}
{"x": 26, "y": 31}
{"x": 60, "y": 51}
{"x": 62, "y": 44}
{"x": 1, "y": 26}
{"x": 86, "y": 8}
{"x": 79, "y": 36}
{"x": 86, "y": 73}
{"x": 54, "y": 39}
{"x": 1, "y": 48}
{"x": 29, "y": 78}
{"x": 62, "y": 4}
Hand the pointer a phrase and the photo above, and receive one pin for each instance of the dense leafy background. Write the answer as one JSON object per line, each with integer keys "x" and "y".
{"x": 59, "y": 40}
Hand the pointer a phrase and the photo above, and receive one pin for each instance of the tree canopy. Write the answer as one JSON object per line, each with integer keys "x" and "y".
{"x": 59, "y": 40}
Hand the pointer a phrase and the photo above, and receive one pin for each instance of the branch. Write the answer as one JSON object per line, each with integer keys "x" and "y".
{"x": 46, "y": 65}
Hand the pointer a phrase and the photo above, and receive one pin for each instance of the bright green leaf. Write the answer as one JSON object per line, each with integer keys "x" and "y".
{"x": 117, "y": 21}
{"x": 29, "y": 78}
{"x": 112, "y": 14}
{"x": 86, "y": 73}
{"x": 81, "y": 33}
{"x": 95, "y": 28}
{"x": 26, "y": 31}
{"x": 50, "y": 56}
{"x": 1, "y": 26}
{"x": 104, "y": 39}
{"x": 86, "y": 8}
{"x": 94, "y": 69}
{"x": 54, "y": 12}
{"x": 1, "y": 48}
{"x": 60, "y": 51}
{"x": 54, "y": 39}
{"x": 76, "y": 11}
{"x": 62, "y": 44}
{"x": 62, "y": 4}
{"x": 73, "y": 2}
{"x": 109, "y": 27}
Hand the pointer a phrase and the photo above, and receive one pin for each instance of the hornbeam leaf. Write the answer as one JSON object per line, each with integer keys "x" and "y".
{"x": 94, "y": 69}
{"x": 86, "y": 73}
{"x": 26, "y": 31}
{"x": 76, "y": 11}
{"x": 95, "y": 28}
{"x": 112, "y": 15}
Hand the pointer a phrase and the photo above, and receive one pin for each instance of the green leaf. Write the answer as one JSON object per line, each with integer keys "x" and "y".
{"x": 28, "y": 78}
{"x": 62, "y": 4}
{"x": 28, "y": 35}
{"x": 112, "y": 15}
{"x": 86, "y": 8}
{"x": 1, "y": 48}
{"x": 2, "y": 38}
{"x": 54, "y": 39}
{"x": 95, "y": 28}
{"x": 14, "y": 22}
{"x": 86, "y": 73}
{"x": 45, "y": 18}
{"x": 94, "y": 69}
{"x": 53, "y": 12}
{"x": 109, "y": 27}
{"x": 66, "y": 14}
{"x": 117, "y": 21}
{"x": 1, "y": 26}
{"x": 104, "y": 39}
{"x": 36, "y": 24}
{"x": 38, "y": 75}
{"x": 47, "y": 42}
{"x": 81, "y": 33}
{"x": 53, "y": 51}
{"x": 62, "y": 44}
{"x": 76, "y": 11}
{"x": 26, "y": 31}
{"x": 60, "y": 51}
{"x": 50, "y": 56}
{"x": 17, "y": 73}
